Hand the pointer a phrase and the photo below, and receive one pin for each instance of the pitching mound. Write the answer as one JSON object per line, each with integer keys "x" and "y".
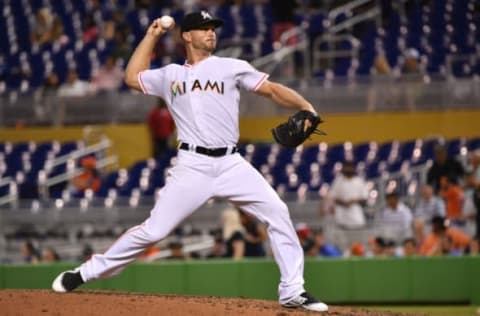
{"x": 82, "y": 303}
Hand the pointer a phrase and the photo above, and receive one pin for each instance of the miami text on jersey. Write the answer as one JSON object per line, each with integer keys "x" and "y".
{"x": 179, "y": 88}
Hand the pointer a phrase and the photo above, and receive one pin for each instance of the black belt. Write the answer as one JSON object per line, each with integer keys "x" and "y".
{"x": 214, "y": 152}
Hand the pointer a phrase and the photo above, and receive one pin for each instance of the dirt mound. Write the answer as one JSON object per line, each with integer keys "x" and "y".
{"x": 82, "y": 303}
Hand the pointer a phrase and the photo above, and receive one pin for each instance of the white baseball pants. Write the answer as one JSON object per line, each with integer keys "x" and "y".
{"x": 194, "y": 180}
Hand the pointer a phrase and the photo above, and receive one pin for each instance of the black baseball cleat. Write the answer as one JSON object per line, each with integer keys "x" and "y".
{"x": 67, "y": 281}
{"x": 308, "y": 302}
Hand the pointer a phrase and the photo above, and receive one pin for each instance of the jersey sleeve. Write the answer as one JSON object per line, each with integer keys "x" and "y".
{"x": 248, "y": 77}
{"x": 153, "y": 81}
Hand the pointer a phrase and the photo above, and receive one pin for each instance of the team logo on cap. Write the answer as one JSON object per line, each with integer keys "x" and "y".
{"x": 206, "y": 15}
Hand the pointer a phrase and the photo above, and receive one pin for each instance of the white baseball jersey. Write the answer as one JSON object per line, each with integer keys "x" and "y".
{"x": 203, "y": 100}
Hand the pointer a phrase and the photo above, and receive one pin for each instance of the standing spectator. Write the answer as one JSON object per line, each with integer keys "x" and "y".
{"x": 108, "y": 77}
{"x": 255, "y": 235}
{"x": 396, "y": 218}
{"x": 428, "y": 206}
{"x": 443, "y": 166}
{"x": 349, "y": 194}
{"x": 233, "y": 234}
{"x": 452, "y": 194}
{"x": 432, "y": 245}
{"x": 161, "y": 127}
{"x": 89, "y": 178}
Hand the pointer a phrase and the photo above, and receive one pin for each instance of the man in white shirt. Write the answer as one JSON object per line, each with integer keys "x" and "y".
{"x": 203, "y": 96}
{"x": 396, "y": 219}
{"x": 349, "y": 193}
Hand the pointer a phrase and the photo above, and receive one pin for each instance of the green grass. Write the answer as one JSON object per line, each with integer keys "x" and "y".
{"x": 432, "y": 310}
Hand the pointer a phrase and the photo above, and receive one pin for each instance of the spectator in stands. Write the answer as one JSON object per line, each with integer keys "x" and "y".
{"x": 305, "y": 237}
{"x": 218, "y": 250}
{"x": 87, "y": 252}
{"x": 447, "y": 247}
{"x": 471, "y": 206}
{"x": 255, "y": 235}
{"x": 176, "y": 249}
{"x": 474, "y": 247}
{"x": 409, "y": 247}
{"x": 357, "y": 250}
{"x": 411, "y": 62}
{"x": 324, "y": 248}
{"x": 29, "y": 252}
{"x": 432, "y": 245}
{"x": 89, "y": 178}
{"x": 90, "y": 29}
{"x": 161, "y": 128}
{"x": 47, "y": 28}
{"x": 396, "y": 218}
{"x": 349, "y": 193}
{"x": 50, "y": 255}
{"x": 283, "y": 15}
{"x": 74, "y": 87}
{"x": 108, "y": 77}
{"x": 376, "y": 246}
{"x": 45, "y": 96}
{"x": 443, "y": 166}
{"x": 381, "y": 74}
{"x": 233, "y": 234}
{"x": 428, "y": 206}
{"x": 452, "y": 194}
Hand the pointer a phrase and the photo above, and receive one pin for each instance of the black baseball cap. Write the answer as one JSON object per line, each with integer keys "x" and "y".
{"x": 196, "y": 20}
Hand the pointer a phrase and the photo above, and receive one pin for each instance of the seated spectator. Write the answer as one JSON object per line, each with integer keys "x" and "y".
{"x": 89, "y": 178}
{"x": 443, "y": 166}
{"x": 30, "y": 253}
{"x": 349, "y": 194}
{"x": 74, "y": 87}
{"x": 324, "y": 248}
{"x": 255, "y": 235}
{"x": 452, "y": 194}
{"x": 218, "y": 250}
{"x": 305, "y": 237}
{"x": 474, "y": 247}
{"x": 49, "y": 255}
{"x": 108, "y": 77}
{"x": 233, "y": 234}
{"x": 357, "y": 250}
{"x": 396, "y": 218}
{"x": 176, "y": 251}
{"x": 471, "y": 206}
{"x": 409, "y": 247}
{"x": 90, "y": 30}
{"x": 376, "y": 246}
{"x": 447, "y": 247}
{"x": 432, "y": 245}
{"x": 428, "y": 206}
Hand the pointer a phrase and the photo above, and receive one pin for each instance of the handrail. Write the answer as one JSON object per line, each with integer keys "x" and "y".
{"x": 354, "y": 20}
{"x": 103, "y": 144}
{"x": 346, "y": 7}
{"x": 68, "y": 175}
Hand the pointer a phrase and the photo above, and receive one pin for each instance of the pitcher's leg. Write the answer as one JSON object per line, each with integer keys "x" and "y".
{"x": 184, "y": 192}
{"x": 243, "y": 185}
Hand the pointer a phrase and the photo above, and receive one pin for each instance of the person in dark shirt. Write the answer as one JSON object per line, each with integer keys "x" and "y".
{"x": 443, "y": 167}
{"x": 255, "y": 235}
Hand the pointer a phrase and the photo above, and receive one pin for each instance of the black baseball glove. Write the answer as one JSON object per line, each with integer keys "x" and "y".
{"x": 293, "y": 132}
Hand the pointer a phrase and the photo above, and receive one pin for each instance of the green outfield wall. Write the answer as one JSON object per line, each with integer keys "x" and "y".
{"x": 411, "y": 280}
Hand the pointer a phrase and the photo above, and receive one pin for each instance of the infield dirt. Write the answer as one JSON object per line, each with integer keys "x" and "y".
{"x": 83, "y": 303}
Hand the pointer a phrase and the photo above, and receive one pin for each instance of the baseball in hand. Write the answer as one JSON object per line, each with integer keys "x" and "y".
{"x": 166, "y": 21}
